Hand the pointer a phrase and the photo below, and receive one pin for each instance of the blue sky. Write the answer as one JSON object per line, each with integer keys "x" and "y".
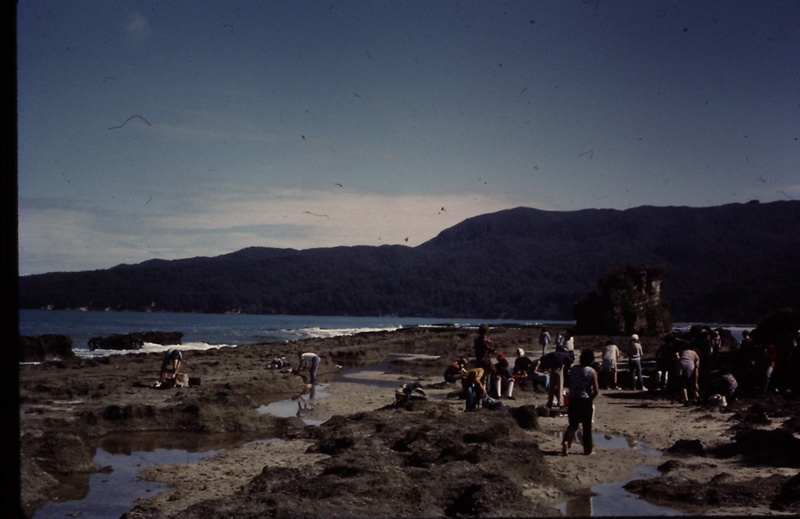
{"x": 153, "y": 129}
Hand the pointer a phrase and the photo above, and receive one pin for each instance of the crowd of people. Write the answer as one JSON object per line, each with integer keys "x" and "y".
{"x": 749, "y": 367}
{"x": 689, "y": 367}
{"x": 493, "y": 377}
{"x": 491, "y": 380}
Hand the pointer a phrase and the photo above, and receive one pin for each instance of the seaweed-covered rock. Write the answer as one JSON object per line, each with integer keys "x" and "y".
{"x": 134, "y": 341}
{"x": 431, "y": 462}
{"x": 788, "y": 500}
{"x": 37, "y": 348}
{"x": 688, "y": 447}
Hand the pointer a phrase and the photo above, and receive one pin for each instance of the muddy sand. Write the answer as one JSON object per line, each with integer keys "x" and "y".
{"x": 365, "y": 457}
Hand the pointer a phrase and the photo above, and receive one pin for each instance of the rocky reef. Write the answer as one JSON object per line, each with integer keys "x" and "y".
{"x": 134, "y": 341}
{"x": 45, "y": 347}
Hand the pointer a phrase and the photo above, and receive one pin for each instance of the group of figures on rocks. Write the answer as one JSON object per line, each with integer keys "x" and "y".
{"x": 700, "y": 366}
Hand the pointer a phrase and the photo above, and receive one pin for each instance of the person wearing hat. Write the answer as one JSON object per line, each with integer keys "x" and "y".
{"x": 522, "y": 365}
{"x": 635, "y": 354}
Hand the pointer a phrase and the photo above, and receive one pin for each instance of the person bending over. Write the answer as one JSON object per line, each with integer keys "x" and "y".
{"x": 688, "y": 372}
{"x": 170, "y": 365}
{"x": 456, "y": 371}
{"x": 609, "y": 365}
{"x": 474, "y": 386}
{"x": 308, "y": 361}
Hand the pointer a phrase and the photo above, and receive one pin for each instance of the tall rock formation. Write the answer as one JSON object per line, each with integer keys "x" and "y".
{"x": 629, "y": 301}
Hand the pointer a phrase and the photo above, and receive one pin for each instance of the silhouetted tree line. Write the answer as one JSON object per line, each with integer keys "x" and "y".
{"x": 732, "y": 263}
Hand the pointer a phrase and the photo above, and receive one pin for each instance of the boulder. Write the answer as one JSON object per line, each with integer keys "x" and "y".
{"x": 789, "y": 498}
{"x": 628, "y": 301}
{"x": 134, "y": 341}
{"x": 780, "y": 328}
{"x": 38, "y": 348}
{"x": 688, "y": 447}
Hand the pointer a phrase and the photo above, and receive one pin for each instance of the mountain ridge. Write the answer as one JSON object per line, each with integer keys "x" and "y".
{"x": 729, "y": 263}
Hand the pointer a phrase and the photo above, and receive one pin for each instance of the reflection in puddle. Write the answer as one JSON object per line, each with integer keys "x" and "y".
{"x": 611, "y": 441}
{"x": 113, "y": 491}
{"x": 301, "y": 406}
{"x": 611, "y": 499}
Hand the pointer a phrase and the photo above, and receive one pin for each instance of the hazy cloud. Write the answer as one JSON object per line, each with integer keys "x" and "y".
{"x": 210, "y": 226}
{"x": 137, "y": 28}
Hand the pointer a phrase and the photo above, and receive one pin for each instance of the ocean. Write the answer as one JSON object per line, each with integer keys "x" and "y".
{"x": 204, "y": 331}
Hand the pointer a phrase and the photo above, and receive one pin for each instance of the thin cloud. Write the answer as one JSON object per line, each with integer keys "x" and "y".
{"x": 192, "y": 132}
{"x": 66, "y": 237}
{"x": 138, "y": 27}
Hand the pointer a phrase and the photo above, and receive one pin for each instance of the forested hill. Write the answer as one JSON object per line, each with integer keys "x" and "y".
{"x": 732, "y": 263}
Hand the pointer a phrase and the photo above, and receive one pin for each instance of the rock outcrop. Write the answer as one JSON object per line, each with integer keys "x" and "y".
{"x": 628, "y": 301}
{"x": 38, "y": 348}
{"x": 134, "y": 341}
{"x": 780, "y": 328}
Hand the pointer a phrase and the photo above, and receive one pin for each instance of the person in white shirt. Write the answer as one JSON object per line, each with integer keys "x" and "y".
{"x": 635, "y": 354}
{"x": 309, "y": 361}
{"x": 609, "y": 366}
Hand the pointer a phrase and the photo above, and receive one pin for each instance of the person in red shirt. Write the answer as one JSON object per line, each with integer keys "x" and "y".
{"x": 456, "y": 371}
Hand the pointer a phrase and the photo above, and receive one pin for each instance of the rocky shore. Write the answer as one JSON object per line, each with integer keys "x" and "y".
{"x": 369, "y": 458}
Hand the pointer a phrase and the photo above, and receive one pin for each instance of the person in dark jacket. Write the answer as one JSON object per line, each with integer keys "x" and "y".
{"x": 503, "y": 377}
{"x": 583, "y": 388}
{"x": 556, "y": 363}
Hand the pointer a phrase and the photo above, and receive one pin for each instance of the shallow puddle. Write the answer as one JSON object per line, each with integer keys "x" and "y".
{"x": 611, "y": 499}
{"x": 113, "y": 491}
{"x": 609, "y": 441}
{"x": 301, "y": 406}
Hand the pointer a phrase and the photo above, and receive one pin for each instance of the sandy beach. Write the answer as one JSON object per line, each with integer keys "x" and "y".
{"x": 369, "y": 458}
